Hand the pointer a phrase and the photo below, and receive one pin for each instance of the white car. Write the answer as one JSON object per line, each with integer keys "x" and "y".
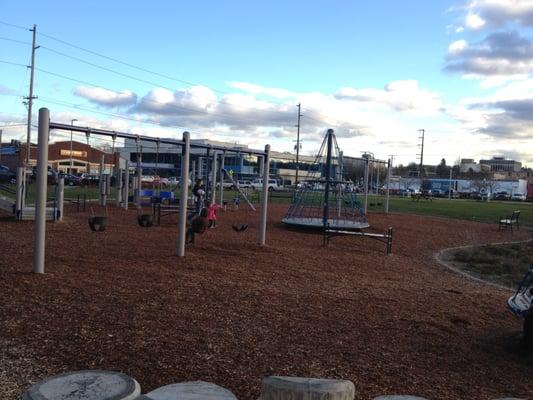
{"x": 518, "y": 197}
{"x": 258, "y": 184}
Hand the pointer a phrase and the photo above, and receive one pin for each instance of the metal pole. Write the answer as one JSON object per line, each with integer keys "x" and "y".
{"x": 298, "y": 145}
{"x": 264, "y": 203}
{"x": 214, "y": 178}
{"x": 60, "y": 198}
{"x": 40, "y": 200}
{"x": 221, "y": 174}
{"x": 101, "y": 183}
{"x": 126, "y": 184}
{"x": 366, "y": 183}
{"x": 184, "y": 189}
{"x": 450, "y": 185}
{"x": 31, "y": 97}
{"x": 328, "y": 180}
{"x": 71, "y": 162}
{"x": 20, "y": 192}
{"x": 377, "y": 179}
{"x": 118, "y": 183}
{"x": 193, "y": 172}
{"x": 387, "y": 193}
{"x": 139, "y": 179}
{"x": 0, "y": 145}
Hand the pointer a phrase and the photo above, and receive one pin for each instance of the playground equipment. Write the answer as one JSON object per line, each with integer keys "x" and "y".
{"x": 325, "y": 201}
{"x": 520, "y": 304}
{"x": 42, "y": 162}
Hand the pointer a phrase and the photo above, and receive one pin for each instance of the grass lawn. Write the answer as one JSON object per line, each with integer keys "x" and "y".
{"x": 471, "y": 210}
{"x": 502, "y": 264}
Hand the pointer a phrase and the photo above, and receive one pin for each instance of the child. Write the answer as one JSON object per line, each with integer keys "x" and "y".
{"x": 235, "y": 203}
{"x": 198, "y": 225}
{"x": 212, "y": 214}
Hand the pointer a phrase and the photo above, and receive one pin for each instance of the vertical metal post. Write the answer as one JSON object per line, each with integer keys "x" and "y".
{"x": 101, "y": 183}
{"x": 450, "y": 185}
{"x": 214, "y": 178}
{"x": 328, "y": 180}
{"x": 20, "y": 192}
{"x": 40, "y": 200}
{"x": 298, "y": 145}
{"x": 261, "y": 161}
{"x": 138, "y": 187}
{"x": 0, "y": 145}
{"x": 184, "y": 189}
{"x": 60, "y": 198}
{"x": 193, "y": 171}
{"x": 264, "y": 202}
{"x": 377, "y": 178}
{"x": 387, "y": 193}
{"x": 118, "y": 184}
{"x": 366, "y": 183}
{"x": 221, "y": 175}
{"x": 107, "y": 187}
{"x": 126, "y": 184}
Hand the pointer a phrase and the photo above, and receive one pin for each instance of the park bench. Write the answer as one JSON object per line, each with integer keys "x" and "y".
{"x": 509, "y": 221}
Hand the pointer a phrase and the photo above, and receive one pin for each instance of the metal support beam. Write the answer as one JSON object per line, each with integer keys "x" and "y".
{"x": 19, "y": 192}
{"x": 387, "y": 193}
{"x": 126, "y": 184}
{"x": 40, "y": 200}
{"x": 264, "y": 202}
{"x": 214, "y": 177}
{"x": 221, "y": 175}
{"x": 60, "y": 196}
{"x": 184, "y": 193}
{"x": 365, "y": 208}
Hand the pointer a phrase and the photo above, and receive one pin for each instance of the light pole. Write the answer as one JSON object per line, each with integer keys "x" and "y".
{"x": 71, "y": 163}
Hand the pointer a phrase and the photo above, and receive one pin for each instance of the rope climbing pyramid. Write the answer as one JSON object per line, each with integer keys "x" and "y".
{"x": 325, "y": 200}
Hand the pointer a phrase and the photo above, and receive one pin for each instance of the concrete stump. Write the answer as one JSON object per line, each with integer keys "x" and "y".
{"x": 86, "y": 385}
{"x": 197, "y": 390}
{"x": 296, "y": 388}
{"x": 398, "y": 397}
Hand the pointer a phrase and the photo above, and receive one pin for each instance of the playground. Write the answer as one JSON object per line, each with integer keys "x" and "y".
{"x": 232, "y": 312}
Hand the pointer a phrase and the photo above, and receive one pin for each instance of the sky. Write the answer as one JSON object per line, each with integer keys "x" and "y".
{"x": 376, "y": 72}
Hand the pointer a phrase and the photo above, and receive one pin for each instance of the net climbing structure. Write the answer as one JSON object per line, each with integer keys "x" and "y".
{"x": 326, "y": 200}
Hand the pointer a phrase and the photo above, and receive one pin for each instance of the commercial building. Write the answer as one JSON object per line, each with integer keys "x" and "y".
{"x": 81, "y": 159}
{"x": 500, "y": 164}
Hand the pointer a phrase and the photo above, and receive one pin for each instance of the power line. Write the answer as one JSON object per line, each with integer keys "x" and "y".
{"x": 14, "y": 41}
{"x": 13, "y": 25}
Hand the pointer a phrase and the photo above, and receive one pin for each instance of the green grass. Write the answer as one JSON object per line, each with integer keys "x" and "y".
{"x": 471, "y": 210}
{"x": 502, "y": 264}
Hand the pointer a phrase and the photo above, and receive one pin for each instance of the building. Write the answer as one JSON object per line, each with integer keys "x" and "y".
{"x": 469, "y": 165}
{"x": 500, "y": 164}
{"x": 81, "y": 159}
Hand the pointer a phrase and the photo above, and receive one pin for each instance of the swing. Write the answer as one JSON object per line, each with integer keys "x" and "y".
{"x": 240, "y": 227}
{"x": 145, "y": 220}
{"x": 98, "y": 223}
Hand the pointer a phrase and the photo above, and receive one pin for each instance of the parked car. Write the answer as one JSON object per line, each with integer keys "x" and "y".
{"x": 258, "y": 185}
{"x": 71, "y": 180}
{"x": 502, "y": 195}
{"x": 6, "y": 175}
{"x": 244, "y": 184}
{"x": 518, "y": 197}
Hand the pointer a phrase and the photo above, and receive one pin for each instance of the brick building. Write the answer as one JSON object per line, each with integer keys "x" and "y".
{"x": 84, "y": 158}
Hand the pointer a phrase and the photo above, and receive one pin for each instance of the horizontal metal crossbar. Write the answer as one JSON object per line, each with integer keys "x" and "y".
{"x": 124, "y": 135}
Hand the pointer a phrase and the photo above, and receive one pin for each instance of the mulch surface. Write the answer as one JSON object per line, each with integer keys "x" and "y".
{"x": 232, "y": 312}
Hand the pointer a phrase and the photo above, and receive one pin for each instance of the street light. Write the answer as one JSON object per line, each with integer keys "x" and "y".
{"x": 71, "y": 163}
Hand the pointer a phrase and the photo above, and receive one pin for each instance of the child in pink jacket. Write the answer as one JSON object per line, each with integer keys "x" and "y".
{"x": 212, "y": 214}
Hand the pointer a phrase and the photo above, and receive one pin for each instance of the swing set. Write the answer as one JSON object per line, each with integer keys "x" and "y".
{"x": 45, "y": 124}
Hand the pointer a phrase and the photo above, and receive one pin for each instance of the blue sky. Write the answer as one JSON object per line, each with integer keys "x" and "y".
{"x": 376, "y": 72}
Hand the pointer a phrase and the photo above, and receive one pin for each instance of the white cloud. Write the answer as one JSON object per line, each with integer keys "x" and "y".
{"x": 457, "y": 46}
{"x": 105, "y": 97}
{"x": 474, "y": 21}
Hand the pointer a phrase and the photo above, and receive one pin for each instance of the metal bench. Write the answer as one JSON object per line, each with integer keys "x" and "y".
{"x": 510, "y": 221}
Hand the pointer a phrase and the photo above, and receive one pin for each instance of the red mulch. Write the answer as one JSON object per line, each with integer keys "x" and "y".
{"x": 232, "y": 312}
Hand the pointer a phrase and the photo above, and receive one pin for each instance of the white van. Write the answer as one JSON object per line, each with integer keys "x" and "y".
{"x": 257, "y": 184}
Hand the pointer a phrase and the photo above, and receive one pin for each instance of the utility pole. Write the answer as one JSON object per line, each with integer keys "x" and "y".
{"x": 298, "y": 144}
{"x": 421, "y": 155}
{"x": 30, "y": 97}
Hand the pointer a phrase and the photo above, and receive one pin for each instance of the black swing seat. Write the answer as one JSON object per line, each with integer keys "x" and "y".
{"x": 98, "y": 224}
{"x": 239, "y": 228}
{"x": 145, "y": 220}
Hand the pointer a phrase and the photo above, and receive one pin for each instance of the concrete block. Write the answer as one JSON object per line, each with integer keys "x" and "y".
{"x": 86, "y": 385}
{"x": 297, "y": 388}
{"x": 196, "y": 390}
